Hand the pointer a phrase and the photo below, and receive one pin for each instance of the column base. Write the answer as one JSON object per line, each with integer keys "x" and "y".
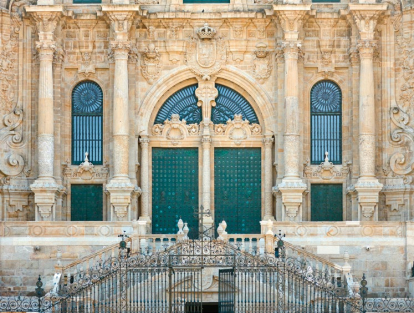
{"x": 368, "y": 198}
{"x": 46, "y": 192}
{"x": 291, "y": 190}
{"x": 120, "y": 192}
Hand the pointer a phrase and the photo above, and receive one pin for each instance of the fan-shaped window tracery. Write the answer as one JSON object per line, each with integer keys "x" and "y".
{"x": 228, "y": 103}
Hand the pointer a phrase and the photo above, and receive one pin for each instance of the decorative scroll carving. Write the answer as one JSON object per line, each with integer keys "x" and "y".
{"x": 402, "y": 162}
{"x": 11, "y": 112}
{"x": 150, "y": 66}
{"x": 237, "y": 129}
{"x": 326, "y": 170}
{"x": 206, "y": 55}
{"x": 175, "y": 130}
{"x": 262, "y": 65}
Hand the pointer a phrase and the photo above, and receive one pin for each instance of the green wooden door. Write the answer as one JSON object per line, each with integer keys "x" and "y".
{"x": 326, "y": 202}
{"x": 87, "y": 203}
{"x": 237, "y": 189}
{"x": 174, "y": 189}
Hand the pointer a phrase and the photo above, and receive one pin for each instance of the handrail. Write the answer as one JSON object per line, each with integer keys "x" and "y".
{"x": 94, "y": 255}
{"x": 312, "y": 256}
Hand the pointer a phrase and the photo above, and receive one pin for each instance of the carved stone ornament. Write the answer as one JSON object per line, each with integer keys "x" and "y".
{"x": 402, "y": 134}
{"x": 262, "y": 65}
{"x": 11, "y": 132}
{"x": 206, "y": 55}
{"x": 150, "y": 63}
{"x": 175, "y": 130}
{"x": 326, "y": 170}
{"x": 237, "y": 129}
{"x": 86, "y": 170}
{"x": 86, "y": 66}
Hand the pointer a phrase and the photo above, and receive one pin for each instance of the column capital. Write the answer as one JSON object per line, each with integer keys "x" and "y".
{"x": 46, "y": 22}
{"x": 291, "y": 49}
{"x": 268, "y": 140}
{"x": 291, "y": 19}
{"x": 367, "y": 48}
{"x": 121, "y": 21}
{"x": 120, "y": 49}
{"x": 366, "y": 18}
{"x": 144, "y": 140}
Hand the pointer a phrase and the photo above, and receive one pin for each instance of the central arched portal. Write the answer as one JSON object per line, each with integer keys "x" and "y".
{"x": 234, "y": 161}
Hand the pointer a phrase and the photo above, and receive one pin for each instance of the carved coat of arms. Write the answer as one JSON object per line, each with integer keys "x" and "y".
{"x": 262, "y": 65}
{"x": 206, "y": 54}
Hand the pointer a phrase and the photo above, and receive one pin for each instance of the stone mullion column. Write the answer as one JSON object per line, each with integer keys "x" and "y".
{"x": 45, "y": 188}
{"x": 206, "y": 144}
{"x": 268, "y": 174}
{"x": 368, "y": 186}
{"x": 120, "y": 187}
{"x": 144, "y": 142}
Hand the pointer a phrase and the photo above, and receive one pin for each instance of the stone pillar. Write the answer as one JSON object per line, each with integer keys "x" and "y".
{"x": 206, "y": 94}
{"x": 144, "y": 142}
{"x": 120, "y": 187}
{"x": 268, "y": 174}
{"x": 206, "y": 144}
{"x": 45, "y": 188}
{"x": 368, "y": 186}
{"x": 292, "y": 186}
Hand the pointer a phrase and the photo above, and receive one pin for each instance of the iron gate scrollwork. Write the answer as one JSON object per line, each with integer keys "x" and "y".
{"x": 190, "y": 274}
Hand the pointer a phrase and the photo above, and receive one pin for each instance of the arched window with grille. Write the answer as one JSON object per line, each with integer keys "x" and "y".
{"x": 87, "y": 123}
{"x": 326, "y": 122}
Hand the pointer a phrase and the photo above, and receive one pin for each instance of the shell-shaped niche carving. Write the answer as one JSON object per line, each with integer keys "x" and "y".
{"x": 175, "y": 130}
{"x": 238, "y": 129}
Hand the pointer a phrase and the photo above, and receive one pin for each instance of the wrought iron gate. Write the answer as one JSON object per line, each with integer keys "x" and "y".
{"x": 179, "y": 279}
{"x": 227, "y": 289}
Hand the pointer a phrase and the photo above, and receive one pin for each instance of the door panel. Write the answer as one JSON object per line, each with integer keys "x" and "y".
{"x": 237, "y": 189}
{"x": 174, "y": 189}
{"x": 326, "y": 202}
{"x": 86, "y": 203}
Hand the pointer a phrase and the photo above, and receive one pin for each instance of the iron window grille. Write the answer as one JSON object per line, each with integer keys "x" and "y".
{"x": 326, "y": 122}
{"x": 87, "y": 123}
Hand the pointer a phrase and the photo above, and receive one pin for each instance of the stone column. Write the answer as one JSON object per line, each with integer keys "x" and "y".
{"x": 368, "y": 186}
{"x": 144, "y": 141}
{"x": 45, "y": 188}
{"x": 268, "y": 174}
{"x": 120, "y": 187}
{"x": 206, "y": 94}
{"x": 292, "y": 186}
{"x": 206, "y": 144}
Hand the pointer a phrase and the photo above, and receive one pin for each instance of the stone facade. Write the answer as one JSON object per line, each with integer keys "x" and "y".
{"x": 272, "y": 54}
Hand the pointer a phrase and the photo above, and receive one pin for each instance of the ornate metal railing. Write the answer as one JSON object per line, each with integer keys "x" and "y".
{"x": 389, "y": 305}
